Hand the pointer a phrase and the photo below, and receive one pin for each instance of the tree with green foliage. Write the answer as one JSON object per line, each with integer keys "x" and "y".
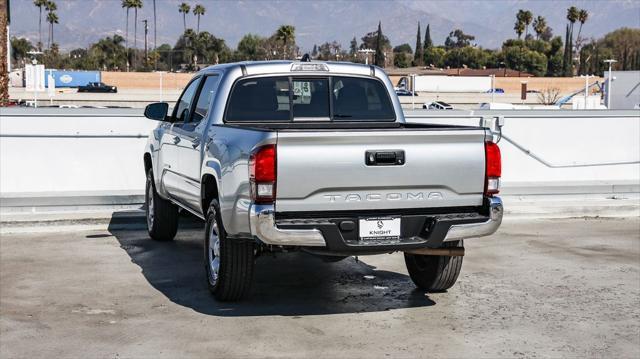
{"x": 539, "y": 26}
{"x": 567, "y": 62}
{"x": 401, "y": 60}
{"x": 624, "y": 43}
{"x": 379, "y": 58}
{"x": 286, "y": 34}
{"x": 369, "y": 40}
{"x": 331, "y": 51}
{"x": 40, "y": 4}
{"x": 402, "y": 55}
{"x": 52, "y": 19}
{"x": 126, "y": 4}
{"x": 20, "y": 48}
{"x": 250, "y": 48}
{"x": 108, "y": 54}
{"x": 519, "y": 28}
{"x": 434, "y": 56}
{"x": 198, "y": 11}
{"x": 457, "y": 39}
{"x": 135, "y": 4}
{"x": 527, "y": 17}
{"x": 194, "y": 48}
{"x": 555, "y": 59}
{"x": 522, "y": 59}
{"x": 184, "y": 9}
{"x": 520, "y": 25}
{"x": 583, "y": 15}
{"x": 427, "y": 38}
{"x": 573, "y": 14}
{"x": 163, "y": 56}
{"x": 51, "y": 57}
{"x": 51, "y": 7}
{"x": 403, "y": 48}
{"x": 468, "y": 56}
{"x": 418, "y": 57}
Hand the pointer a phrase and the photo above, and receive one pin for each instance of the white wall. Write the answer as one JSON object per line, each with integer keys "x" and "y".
{"x": 72, "y": 155}
{"x": 560, "y": 138}
{"x": 99, "y": 152}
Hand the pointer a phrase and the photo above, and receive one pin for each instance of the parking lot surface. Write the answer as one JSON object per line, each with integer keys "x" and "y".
{"x": 538, "y": 288}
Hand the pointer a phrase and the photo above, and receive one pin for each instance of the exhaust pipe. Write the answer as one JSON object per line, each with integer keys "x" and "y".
{"x": 451, "y": 251}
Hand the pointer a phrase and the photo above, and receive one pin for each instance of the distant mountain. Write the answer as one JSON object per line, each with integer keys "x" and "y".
{"x": 84, "y": 21}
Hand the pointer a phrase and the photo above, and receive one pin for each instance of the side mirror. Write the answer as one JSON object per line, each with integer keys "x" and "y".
{"x": 157, "y": 111}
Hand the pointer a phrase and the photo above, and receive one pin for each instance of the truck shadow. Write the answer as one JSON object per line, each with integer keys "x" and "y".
{"x": 289, "y": 284}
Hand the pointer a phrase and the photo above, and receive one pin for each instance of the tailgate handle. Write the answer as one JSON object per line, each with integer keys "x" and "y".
{"x": 384, "y": 158}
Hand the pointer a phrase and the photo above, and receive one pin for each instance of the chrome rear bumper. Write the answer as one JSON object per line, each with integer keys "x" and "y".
{"x": 464, "y": 231}
{"x": 263, "y": 226}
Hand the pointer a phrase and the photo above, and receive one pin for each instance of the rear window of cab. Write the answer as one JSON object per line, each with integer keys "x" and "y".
{"x": 331, "y": 98}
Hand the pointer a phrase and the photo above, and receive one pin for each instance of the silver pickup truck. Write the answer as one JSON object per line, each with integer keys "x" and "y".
{"x": 316, "y": 157}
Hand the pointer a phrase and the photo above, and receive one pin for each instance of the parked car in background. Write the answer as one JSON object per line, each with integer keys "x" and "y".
{"x": 495, "y": 90}
{"x": 316, "y": 157}
{"x": 404, "y": 92}
{"x": 437, "y": 105}
{"x": 97, "y": 87}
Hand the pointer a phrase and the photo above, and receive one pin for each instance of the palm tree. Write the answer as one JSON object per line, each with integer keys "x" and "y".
{"x": 52, "y": 18}
{"x": 184, "y": 8}
{"x": 135, "y": 4}
{"x": 539, "y": 26}
{"x": 286, "y": 34}
{"x": 583, "y": 15}
{"x": 519, "y": 25}
{"x": 126, "y": 4}
{"x": 40, "y": 4}
{"x": 527, "y": 17}
{"x": 519, "y": 28}
{"x": 197, "y": 11}
{"x": 572, "y": 15}
{"x": 51, "y": 7}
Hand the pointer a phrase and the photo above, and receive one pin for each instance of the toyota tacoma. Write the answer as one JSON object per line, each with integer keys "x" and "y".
{"x": 316, "y": 157}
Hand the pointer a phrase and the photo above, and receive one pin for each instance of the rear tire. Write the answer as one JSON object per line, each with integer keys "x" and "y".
{"x": 228, "y": 262}
{"x": 434, "y": 273}
{"x": 162, "y": 215}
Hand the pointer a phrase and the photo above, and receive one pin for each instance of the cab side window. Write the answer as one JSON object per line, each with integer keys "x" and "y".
{"x": 204, "y": 98}
{"x": 182, "y": 111}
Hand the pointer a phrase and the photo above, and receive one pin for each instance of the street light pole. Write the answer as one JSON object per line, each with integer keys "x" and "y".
{"x": 610, "y": 82}
{"x": 146, "y": 32}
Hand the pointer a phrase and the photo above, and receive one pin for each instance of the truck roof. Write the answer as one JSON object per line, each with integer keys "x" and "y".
{"x": 282, "y": 66}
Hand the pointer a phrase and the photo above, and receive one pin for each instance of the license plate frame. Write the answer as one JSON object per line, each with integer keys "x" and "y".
{"x": 379, "y": 228}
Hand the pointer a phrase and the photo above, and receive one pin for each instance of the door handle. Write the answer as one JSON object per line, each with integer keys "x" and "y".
{"x": 384, "y": 158}
{"x": 176, "y": 140}
{"x": 195, "y": 143}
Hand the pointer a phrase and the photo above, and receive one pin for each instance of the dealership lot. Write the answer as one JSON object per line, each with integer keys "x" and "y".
{"x": 559, "y": 288}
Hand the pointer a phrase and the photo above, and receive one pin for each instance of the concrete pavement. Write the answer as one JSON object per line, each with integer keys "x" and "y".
{"x": 538, "y": 288}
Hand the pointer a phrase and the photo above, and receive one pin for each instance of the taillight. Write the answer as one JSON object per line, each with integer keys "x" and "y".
{"x": 493, "y": 168}
{"x": 262, "y": 174}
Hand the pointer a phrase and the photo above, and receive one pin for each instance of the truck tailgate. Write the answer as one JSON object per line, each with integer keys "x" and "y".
{"x": 328, "y": 171}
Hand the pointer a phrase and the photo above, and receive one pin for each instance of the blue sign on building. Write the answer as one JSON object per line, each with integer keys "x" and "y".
{"x": 64, "y": 78}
